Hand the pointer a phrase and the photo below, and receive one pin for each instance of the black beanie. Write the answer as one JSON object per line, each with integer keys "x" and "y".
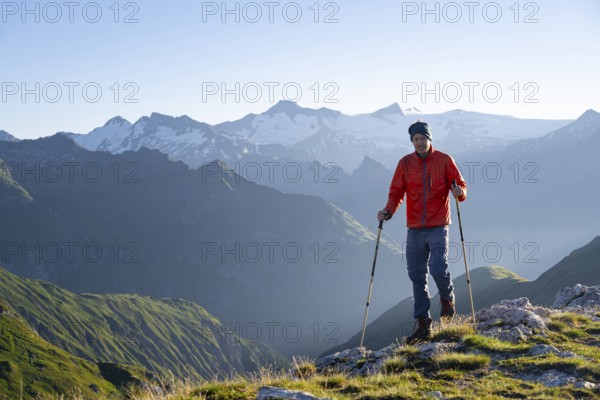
{"x": 419, "y": 127}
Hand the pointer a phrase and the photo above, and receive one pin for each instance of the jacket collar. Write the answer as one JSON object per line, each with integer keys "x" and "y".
{"x": 432, "y": 150}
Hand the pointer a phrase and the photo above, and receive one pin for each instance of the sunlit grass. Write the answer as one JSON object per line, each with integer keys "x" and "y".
{"x": 468, "y": 372}
{"x": 461, "y": 361}
{"x": 490, "y": 344}
{"x": 455, "y": 330}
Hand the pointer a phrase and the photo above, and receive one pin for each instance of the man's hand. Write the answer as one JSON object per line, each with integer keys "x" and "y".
{"x": 457, "y": 191}
{"x": 384, "y": 215}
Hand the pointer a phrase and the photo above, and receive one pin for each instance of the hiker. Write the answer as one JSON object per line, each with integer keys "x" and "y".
{"x": 426, "y": 177}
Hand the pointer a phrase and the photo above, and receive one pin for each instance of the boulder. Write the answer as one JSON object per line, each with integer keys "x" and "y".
{"x": 579, "y": 296}
{"x": 513, "y": 320}
{"x": 274, "y": 393}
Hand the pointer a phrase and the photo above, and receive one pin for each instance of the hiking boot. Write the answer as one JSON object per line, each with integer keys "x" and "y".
{"x": 422, "y": 331}
{"x": 447, "y": 310}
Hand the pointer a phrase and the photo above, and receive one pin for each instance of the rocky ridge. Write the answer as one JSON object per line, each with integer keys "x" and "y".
{"x": 553, "y": 346}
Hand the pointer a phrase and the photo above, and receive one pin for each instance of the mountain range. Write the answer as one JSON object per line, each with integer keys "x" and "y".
{"x": 137, "y": 222}
{"x": 515, "y": 211}
{"x": 198, "y": 230}
{"x": 288, "y": 131}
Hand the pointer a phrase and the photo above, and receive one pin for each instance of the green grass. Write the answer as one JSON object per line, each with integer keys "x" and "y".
{"x": 166, "y": 336}
{"x": 304, "y": 368}
{"x": 567, "y": 328}
{"x": 410, "y": 383}
{"x": 462, "y": 362}
{"x": 493, "y": 345}
{"x": 454, "y": 331}
{"x": 571, "y": 318}
{"x": 394, "y": 365}
{"x": 30, "y": 366}
{"x": 577, "y": 366}
{"x": 225, "y": 391}
{"x": 449, "y": 374}
{"x": 407, "y": 351}
{"x": 30, "y": 362}
{"x": 568, "y": 332}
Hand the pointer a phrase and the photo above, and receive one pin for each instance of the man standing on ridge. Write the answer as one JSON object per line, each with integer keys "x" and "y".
{"x": 426, "y": 177}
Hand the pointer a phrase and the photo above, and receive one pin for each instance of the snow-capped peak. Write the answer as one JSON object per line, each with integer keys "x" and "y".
{"x": 7, "y": 137}
{"x": 292, "y": 109}
{"x": 118, "y": 120}
{"x": 413, "y": 111}
{"x": 393, "y": 109}
{"x": 284, "y": 106}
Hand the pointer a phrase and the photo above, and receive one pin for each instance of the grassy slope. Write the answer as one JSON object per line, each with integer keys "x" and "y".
{"x": 164, "y": 336}
{"x": 581, "y": 266}
{"x": 12, "y": 189}
{"x": 478, "y": 368}
{"x": 472, "y": 371}
{"x": 31, "y": 366}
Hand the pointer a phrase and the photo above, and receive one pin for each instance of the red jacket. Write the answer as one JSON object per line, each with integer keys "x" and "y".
{"x": 427, "y": 183}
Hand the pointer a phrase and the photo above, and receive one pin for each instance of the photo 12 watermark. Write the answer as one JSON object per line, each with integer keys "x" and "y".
{"x": 69, "y": 92}
{"x": 489, "y": 172}
{"x": 274, "y": 171}
{"x": 452, "y": 12}
{"x": 272, "y": 332}
{"x": 69, "y": 172}
{"x": 269, "y": 252}
{"x": 271, "y": 92}
{"x": 68, "y": 252}
{"x": 471, "y": 92}
{"x": 70, "y": 12}
{"x": 526, "y": 172}
{"x": 490, "y": 252}
{"x": 270, "y": 12}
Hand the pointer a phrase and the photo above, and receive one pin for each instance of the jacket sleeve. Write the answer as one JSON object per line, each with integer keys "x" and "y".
{"x": 397, "y": 189}
{"x": 453, "y": 173}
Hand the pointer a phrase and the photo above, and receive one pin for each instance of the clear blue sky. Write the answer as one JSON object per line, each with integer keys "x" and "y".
{"x": 372, "y": 56}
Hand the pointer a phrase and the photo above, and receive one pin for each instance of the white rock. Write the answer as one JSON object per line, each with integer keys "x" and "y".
{"x": 541, "y": 349}
{"x": 437, "y": 394}
{"x": 435, "y": 349}
{"x": 519, "y": 319}
{"x": 567, "y": 354}
{"x": 585, "y": 385}
{"x": 555, "y": 378}
{"x": 522, "y": 302}
{"x": 568, "y": 295}
{"x": 590, "y": 299}
{"x": 273, "y": 393}
{"x": 514, "y": 335}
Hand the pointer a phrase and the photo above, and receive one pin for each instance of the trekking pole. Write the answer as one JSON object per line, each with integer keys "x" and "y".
{"x": 462, "y": 240}
{"x": 362, "y": 336}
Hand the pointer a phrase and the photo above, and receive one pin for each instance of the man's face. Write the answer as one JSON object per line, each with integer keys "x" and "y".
{"x": 421, "y": 143}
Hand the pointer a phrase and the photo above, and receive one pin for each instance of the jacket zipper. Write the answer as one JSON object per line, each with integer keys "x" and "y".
{"x": 424, "y": 191}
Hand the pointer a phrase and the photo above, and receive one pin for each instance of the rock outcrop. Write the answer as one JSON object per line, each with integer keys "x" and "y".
{"x": 515, "y": 321}
{"x": 579, "y": 297}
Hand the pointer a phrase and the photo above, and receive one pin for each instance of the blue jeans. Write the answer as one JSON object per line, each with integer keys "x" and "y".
{"x": 427, "y": 251}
